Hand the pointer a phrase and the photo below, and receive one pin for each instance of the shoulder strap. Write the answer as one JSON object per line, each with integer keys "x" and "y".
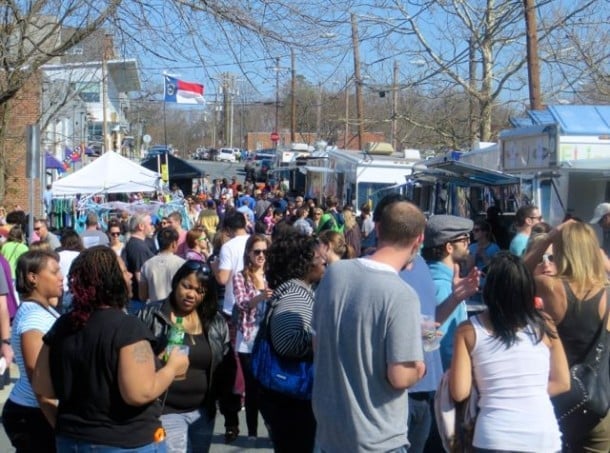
{"x": 599, "y": 350}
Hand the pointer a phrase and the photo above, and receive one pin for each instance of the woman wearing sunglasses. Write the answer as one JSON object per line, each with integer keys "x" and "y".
{"x": 251, "y": 291}
{"x": 190, "y": 403}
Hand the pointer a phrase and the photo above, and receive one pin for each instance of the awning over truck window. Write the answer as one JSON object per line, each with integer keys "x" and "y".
{"x": 463, "y": 174}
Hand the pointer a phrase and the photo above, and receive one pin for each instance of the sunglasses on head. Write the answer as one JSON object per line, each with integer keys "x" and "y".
{"x": 199, "y": 266}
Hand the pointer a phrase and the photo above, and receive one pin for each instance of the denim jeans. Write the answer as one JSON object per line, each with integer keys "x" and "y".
{"x": 69, "y": 445}
{"x": 420, "y": 420}
{"x": 188, "y": 431}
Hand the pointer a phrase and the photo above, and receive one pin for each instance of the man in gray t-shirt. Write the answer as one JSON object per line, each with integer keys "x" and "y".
{"x": 368, "y": 347}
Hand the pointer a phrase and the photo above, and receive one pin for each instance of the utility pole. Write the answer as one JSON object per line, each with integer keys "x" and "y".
{"x": 293, "y": 97}
{"x": 105, "y": 52}
{"x": 277, "y": 95}
{"x": 533, "y": 64}
{"x": 319, "y": 112}
{"x": 346, "y": 140}
{"x": 394, "y": 104}
{"x": 357, "y": 75}
{"x": 226, "y": 108}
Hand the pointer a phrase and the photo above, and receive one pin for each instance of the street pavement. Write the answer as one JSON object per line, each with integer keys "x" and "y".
{"x": 219, "y": 169}
{"x": 242, "y": 444}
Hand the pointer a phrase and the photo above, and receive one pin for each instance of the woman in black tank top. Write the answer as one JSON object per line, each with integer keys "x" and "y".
{"x": 576, "y": 300}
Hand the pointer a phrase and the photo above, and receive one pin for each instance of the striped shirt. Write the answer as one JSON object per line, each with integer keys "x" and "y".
{"x": 30, "y": 316}
{"x": 290, "y": 324}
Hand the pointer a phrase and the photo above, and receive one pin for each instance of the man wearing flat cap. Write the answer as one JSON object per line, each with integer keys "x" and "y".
{"x": 446, "y": 242}
{"x": 601, "y": 218}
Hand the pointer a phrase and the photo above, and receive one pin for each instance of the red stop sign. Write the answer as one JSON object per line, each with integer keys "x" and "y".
{"x": 275, "y": 136}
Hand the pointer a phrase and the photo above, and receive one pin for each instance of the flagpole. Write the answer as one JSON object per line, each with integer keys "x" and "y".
{"x": 164, "y": 124}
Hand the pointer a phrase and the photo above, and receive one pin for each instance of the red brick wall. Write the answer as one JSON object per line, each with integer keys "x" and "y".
{"x": 22, "y": 110}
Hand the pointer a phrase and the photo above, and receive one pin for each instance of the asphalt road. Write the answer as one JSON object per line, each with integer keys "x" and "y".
{"x": 220, "y": 169}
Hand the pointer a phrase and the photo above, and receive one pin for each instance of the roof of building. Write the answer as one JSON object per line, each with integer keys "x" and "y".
{"x": 571, "y": 119}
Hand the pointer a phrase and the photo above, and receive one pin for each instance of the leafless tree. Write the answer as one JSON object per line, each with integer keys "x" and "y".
{"x": 441, "y": 38}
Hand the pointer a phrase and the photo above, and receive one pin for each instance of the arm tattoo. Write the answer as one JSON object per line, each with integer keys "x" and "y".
{"x": 142, "y": 352}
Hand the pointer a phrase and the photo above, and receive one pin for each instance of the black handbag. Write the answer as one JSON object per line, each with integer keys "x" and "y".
{"x": 582, "y": 407}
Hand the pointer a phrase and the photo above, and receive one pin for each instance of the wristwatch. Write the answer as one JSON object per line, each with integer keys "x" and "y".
{"x": 6, "y": 341}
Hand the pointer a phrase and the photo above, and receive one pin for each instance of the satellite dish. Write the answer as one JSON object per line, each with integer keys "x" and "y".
{"x": 147, "y": 139}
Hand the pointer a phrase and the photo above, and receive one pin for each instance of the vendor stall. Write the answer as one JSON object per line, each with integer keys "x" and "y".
{"x": 109, "y": 173}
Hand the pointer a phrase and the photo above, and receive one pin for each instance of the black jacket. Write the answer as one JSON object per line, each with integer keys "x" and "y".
{"x": 156, "y": 315}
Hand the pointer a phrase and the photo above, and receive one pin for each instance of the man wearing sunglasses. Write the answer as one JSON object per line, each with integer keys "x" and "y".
{"x": 446, "y": 249}
{"x": 525, "y": 218}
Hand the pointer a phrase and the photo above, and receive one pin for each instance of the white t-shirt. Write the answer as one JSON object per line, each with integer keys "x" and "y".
{"x": 231, "y": 258}
{"x": 66, "y": 257}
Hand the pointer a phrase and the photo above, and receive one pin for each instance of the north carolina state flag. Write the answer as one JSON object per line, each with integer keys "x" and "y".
{"x": 181, "y": 92}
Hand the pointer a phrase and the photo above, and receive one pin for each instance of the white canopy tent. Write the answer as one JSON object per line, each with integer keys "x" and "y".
{"x": 109, "y": 173}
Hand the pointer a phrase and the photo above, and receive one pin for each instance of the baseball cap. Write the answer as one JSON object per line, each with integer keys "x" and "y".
{"x": 443, "y": 228}
{"x": 601, "y": 210}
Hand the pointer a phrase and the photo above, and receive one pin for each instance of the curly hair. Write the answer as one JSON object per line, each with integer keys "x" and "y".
{"x": 96, "y": 280}
{"x": 290, "y": 256}
{"x": 208, "y": 308}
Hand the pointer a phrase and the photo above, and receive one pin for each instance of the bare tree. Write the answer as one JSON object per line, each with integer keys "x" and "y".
{"x": 439, "y": 36}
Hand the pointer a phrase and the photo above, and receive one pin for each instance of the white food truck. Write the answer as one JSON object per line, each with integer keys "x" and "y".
{"x": 562, "y": 157}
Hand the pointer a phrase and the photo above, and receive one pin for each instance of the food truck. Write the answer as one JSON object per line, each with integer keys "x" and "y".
{"x": 562, "y": 158}
{"x": 357, "y": 177}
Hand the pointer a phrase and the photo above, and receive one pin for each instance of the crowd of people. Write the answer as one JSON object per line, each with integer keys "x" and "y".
{"x": 88, "y": 318}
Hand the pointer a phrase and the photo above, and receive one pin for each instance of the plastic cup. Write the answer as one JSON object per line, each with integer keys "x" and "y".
{"x": 183, "y": 349}
{"x": 430, "y": 336}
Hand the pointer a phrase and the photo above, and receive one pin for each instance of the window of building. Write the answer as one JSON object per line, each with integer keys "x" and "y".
{"x": 88, "y": 91}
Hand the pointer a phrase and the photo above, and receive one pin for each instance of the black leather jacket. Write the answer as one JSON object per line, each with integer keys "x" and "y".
{"x": 157, "y": 316}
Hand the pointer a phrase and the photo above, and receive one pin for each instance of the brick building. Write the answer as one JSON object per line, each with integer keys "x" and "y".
{"x": 22, "y": 110}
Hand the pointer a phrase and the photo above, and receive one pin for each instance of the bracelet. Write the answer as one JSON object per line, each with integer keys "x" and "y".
{"x": 6, "y": 341}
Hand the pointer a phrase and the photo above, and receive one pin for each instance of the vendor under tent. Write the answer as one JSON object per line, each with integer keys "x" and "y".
{"x": 109, "y": 173}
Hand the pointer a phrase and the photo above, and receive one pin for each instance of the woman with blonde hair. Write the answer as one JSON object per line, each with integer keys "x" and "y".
{"x": 351, "y": 230}
{"x": 576, "y": 300}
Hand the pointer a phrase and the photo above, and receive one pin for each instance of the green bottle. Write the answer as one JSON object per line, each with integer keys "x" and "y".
{"x": 176, "y": 336}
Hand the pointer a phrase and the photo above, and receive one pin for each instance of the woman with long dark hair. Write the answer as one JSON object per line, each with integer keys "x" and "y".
{"x": 512, "y": 354}
{"x": 251, "y": 291}
{"x": 99, "y": 364}
{"x": 295, "y": 263}
{"x": 39, "y": 284}
{"x": 190, "y": 403}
